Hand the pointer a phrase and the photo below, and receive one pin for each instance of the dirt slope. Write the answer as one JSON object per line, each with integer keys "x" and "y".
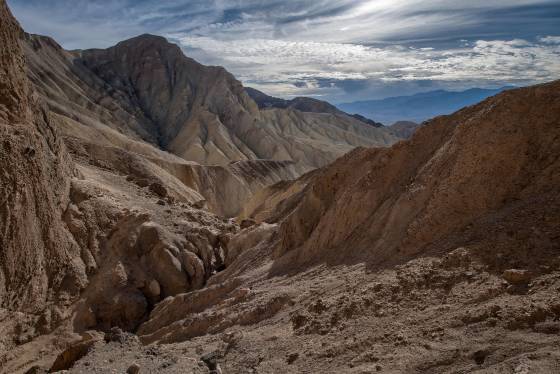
{"x": 483, "y": 160}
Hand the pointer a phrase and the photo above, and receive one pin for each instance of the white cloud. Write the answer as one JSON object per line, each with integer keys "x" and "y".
{"x": 290, "y": 47}
{"x": 550, "y": 40}
{"x": 294, "y": 61}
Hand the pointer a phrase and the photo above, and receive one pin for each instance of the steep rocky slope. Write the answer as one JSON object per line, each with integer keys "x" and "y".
{"x": 143, "y": 97}
{"x": 36, "y": 251}
{"x": 148, "y": 90}
{"x": 40, "y": 266}
{"x": 495, "y": 157}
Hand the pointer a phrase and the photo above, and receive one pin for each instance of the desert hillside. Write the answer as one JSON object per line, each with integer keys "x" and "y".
{"x": 156, "y": 219}
{"x": 147, "y": 89}
{"x": 146, "y": 111}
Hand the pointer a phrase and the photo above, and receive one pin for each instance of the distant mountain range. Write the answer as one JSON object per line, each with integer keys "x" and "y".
{"x": 419, "y": 107}
{"x": 303, "y": 104}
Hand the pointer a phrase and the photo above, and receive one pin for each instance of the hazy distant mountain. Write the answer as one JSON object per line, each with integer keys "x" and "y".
{"x": 419, "y": 107}
{"x": 303, "y": 104}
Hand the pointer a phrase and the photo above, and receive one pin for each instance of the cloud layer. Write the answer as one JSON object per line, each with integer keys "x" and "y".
{"x": 339, "y": 49}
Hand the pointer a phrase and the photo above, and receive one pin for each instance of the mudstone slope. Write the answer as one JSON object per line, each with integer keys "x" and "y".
{"x": 146, "y": 88}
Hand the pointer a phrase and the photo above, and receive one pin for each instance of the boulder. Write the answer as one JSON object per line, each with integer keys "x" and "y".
{"x": 517, "y": 276}
{"x": 158, "y": 189}
{"x": 133, "y": 369}
{"x": 73, "y": 353}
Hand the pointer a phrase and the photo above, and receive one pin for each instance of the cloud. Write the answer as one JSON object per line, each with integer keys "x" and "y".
{"x": 328, "y": 47}
{"x": 550, "y": 40}
{"x": 278, "y": 61}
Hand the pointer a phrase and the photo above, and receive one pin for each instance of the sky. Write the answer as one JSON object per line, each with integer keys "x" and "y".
{"x": 336, "y": 50}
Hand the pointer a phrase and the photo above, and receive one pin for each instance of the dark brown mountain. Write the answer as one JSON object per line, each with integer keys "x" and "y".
{"x": 403, "y": 129}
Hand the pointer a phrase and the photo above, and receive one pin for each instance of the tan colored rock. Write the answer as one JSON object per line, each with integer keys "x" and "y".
{"x": 517, "y": 276}
{"x": 74, "y": 352}
{"x": 153, "y": 289}
{"x": 246, "y": 239}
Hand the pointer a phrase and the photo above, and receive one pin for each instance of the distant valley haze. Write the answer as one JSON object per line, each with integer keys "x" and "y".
{"x": 419, "y": 107}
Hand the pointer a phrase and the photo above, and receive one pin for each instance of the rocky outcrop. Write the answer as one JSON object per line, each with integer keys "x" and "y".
{"x": 41, "y": 270}
{"x": 39, "y": 261}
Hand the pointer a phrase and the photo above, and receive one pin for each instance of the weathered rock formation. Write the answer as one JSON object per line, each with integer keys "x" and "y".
{"x": 41, "y": 271}
{"x": 125, "y": 106}
{"x": 147, "y": 89}
{"x": 37, "y": 255}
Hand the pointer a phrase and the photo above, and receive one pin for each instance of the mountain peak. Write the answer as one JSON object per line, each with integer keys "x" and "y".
{"x": 147, "y": 41}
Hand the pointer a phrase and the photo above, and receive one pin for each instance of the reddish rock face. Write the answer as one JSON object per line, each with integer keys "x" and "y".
{"x": 458, "y": 175}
